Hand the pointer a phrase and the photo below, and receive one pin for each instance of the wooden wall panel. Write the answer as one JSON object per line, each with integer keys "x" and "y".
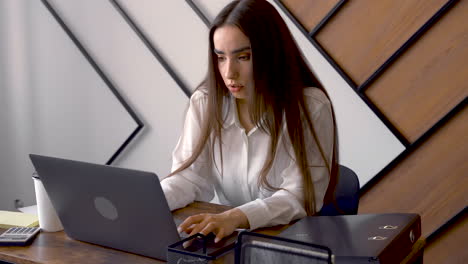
{"x": 414, "y": 93}
{"x": 309, "y": 12}
{"x": 429, "y": 79}
{"x": 450, "y": 246}
{"x": 365, "y": 33}
{"x": 431, "y": 181}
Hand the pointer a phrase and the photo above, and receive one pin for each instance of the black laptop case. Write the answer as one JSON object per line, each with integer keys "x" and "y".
{"x": 366, "y": 238}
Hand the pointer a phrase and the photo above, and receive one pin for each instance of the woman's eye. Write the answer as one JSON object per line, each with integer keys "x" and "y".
{"x": 221, "y": 58}
{"x": 244, "y": 57}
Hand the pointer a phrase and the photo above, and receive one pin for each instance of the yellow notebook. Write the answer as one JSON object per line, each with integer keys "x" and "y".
{"x": 11, "y": 219}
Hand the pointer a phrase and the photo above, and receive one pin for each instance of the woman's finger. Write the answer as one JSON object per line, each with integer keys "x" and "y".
{"x": 197, "y": 228}
{"x": 210, "y": 227}
{"x": 220, "y": 235}
{"x": 189, "y": 229}
{"x": 195, "y": 219}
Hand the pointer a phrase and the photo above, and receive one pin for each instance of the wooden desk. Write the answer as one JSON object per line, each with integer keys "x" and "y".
{"x": 57, "y": 247}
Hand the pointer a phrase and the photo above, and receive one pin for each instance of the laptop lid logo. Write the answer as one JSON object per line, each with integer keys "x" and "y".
{"x": 106, "y": 208}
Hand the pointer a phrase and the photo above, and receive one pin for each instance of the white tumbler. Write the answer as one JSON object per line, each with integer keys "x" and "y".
{"x": 48, "y": 219}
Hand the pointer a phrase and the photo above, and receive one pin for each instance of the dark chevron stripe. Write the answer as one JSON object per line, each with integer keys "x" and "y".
{"x": 458, "y": 108}
{"x": 454, "y": 219}
{"x": 325, "y": 20}
{"x": 151, "y": 47}
{"x": 104, "y": 78}
{"x": 417, "y": 35}
{"x": 199, "y": 13}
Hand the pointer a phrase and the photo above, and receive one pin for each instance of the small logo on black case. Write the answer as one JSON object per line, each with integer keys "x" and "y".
{"x": 377, "y": 238}
{"x": 388, "y": 227}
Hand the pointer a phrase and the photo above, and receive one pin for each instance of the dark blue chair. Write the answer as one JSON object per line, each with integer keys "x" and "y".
{"x": 258, "y": 248}
{"x": 346, "y": 194}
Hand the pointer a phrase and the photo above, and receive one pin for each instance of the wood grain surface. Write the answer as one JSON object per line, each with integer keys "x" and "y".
{"x": 57, "y": 247}
{"x": 431, "y": 181}
{"x": 429, "y": 79}
{"x": 365, "y": 33}
{"x": 309, "y": 12}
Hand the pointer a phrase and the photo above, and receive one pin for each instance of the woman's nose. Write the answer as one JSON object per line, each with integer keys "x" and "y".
{"x": 231, "y": 70}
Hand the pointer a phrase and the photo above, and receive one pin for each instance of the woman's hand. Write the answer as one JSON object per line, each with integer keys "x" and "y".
{"x": 221, "y": 225}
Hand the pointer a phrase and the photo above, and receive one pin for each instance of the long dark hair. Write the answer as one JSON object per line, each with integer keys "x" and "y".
{"x": 280, "y": 76}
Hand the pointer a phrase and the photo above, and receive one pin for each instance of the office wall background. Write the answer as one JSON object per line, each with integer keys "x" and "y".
{"x": 68, "y": 107}
{"x": 407, "y": 59}
{"x": 53, "y": 101}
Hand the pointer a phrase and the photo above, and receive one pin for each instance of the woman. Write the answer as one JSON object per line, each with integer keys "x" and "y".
{"x": 256, "y": 132}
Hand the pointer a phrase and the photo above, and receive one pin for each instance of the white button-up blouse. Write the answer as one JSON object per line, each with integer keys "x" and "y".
{"x": 244, "y": 155}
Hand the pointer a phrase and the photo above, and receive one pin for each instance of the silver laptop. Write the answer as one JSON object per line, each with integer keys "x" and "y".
{"x": 109, "y": 206}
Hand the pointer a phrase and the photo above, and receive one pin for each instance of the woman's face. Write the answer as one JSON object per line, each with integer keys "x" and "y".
{"x": 234, "y": 54}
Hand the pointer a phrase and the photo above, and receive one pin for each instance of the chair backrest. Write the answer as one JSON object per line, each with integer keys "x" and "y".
{"x": 346, "y": 194}
{"x": 253, "y": 248}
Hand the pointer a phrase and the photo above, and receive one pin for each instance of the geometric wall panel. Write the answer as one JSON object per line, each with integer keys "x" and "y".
{"x": 207, "y": 9}
{"x": 373, "y": 30}
{"x": 365, "y": 33}
{"x": 177, "y": 43}
{"x": 432, "y": 181}
{"x": 446, "y": 248}
{"x": 130, "y": 21}
{"x": 429, "y": 79}
{"x": 55, "y": 100}
{"x": 74, "y": 100}
{"x": 301, "y": 10}
{"x": 406, "y": 60}
{"x": 142, "y": 80}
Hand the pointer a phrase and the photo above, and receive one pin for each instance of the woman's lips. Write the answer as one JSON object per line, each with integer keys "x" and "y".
{"x": 235, "y": 88}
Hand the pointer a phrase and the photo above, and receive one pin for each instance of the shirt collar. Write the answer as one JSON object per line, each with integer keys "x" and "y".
{"x": 232, "y": 116}
{"x": 230, "y": 108}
